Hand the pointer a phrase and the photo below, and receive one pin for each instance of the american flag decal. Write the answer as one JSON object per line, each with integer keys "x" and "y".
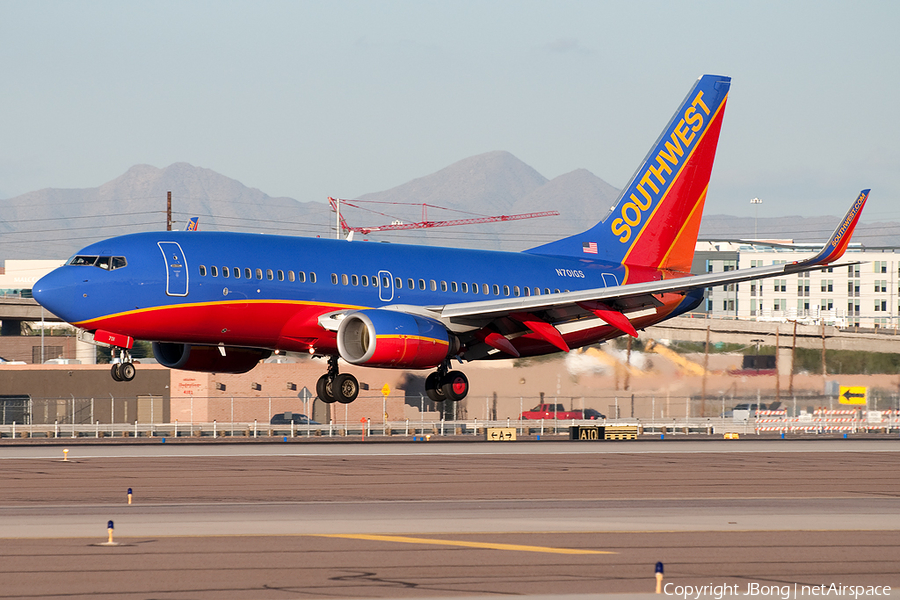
{"x": 589, "y": 247}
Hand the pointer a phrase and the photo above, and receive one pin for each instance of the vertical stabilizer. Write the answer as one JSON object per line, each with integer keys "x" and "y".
{"x": 656, "y": 219}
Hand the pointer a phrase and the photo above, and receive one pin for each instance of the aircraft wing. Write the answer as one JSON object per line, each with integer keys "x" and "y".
{"x": 613, "y": 304}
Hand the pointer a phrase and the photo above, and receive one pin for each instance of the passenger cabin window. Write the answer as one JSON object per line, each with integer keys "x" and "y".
{"x": 433, "y": 285}
{"x": 411, "y": 285}
{"x": 248, "y": 274}
{"x": 225, "y": 271}
{"x": 290, "y": 276}
{"x": 237, "y": 273}
{"x": 344, "y": 279}
{"x": 354, "y": 279}
{"x": 398, "y": 283}
{"x": 312, "y": 277}
{"x": 365, "y": 280}
{"x": 465, "y": 287}
{"x": 516, "y": 290}
{"x": 280, "y": 275}
{"x": 421, "y": 284}
{"x": 474, "y": 288}
{"x": 485, "y": 288}
{"x": 202, "y": 270}
{"x": 527, "y": 291}
{"x": 259, "y": 274}
{"x": 453, "y": 287}
{"x": 215, "y": 271}
{"x": 443, "y": 286}
{"x": 301, "y": 276}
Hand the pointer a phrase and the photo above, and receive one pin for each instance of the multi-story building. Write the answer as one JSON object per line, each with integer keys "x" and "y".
{"x": 864, "y": 294}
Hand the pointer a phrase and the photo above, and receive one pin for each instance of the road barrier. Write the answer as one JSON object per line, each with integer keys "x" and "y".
{"x": 765, "y": 422}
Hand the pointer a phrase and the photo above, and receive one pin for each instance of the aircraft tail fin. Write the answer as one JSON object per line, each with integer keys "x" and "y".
{"x": 656, "y": 219}
{"x": 193, "y": 224}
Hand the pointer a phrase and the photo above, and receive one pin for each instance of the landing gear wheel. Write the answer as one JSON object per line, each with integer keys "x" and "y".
{"x": 323, "y": 390}
{"x": 127, "y": 371}
{"x": 345, "y": 388}
{"x": 116, "y": 371}
{"x": 433, "y": 387}
{"x": 455, "y": 386}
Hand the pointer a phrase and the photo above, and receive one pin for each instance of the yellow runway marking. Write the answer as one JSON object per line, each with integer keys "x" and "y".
{"x": 487, "y": 545}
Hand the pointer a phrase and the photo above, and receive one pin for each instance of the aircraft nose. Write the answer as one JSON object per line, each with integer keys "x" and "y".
{"x": 54, "y": 292}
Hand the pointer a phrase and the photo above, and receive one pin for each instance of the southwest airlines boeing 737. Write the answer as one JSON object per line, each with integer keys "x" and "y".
{"x": 221, "y": 302}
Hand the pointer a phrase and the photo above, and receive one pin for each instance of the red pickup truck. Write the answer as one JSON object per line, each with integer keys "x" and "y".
{"x": 557, "y": 411}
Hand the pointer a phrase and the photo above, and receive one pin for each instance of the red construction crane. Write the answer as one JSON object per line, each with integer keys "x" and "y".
{"x": 425, "y": 223}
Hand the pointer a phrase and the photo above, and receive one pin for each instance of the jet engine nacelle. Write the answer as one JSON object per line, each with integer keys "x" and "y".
{"x": 208, "y": 359}
{"x": 387, "y": 338}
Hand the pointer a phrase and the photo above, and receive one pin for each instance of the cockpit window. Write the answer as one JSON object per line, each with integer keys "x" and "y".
{"x": 107, "y": 263}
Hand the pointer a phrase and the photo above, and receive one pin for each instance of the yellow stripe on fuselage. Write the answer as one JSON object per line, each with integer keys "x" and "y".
{"x": 331, "y": 305}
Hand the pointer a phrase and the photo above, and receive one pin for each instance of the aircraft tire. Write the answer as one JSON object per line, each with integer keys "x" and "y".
{"x": 433, "y": 388}
{"x": 456, "y": 386}
{"x": 116, "y": 371}
{"x": 127, "y": 371}
{"x": 323, "y": 390}
{"x": 345, "y": 388}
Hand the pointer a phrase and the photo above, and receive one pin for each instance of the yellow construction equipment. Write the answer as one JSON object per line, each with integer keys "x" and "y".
{"x": 612, "y": 361}
{"x": 688, "y": 366}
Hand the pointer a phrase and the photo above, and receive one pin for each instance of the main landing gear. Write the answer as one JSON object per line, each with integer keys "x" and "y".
{"x": 337, "y": 387}
{"x": 123, "y": 370}
{"x": 444, "y": 384}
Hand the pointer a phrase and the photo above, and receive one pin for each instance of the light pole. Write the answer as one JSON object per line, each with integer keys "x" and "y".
{"x": 757, "y": 202}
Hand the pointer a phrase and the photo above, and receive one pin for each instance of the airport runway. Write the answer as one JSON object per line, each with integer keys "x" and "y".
{"x": 445, "y": 519}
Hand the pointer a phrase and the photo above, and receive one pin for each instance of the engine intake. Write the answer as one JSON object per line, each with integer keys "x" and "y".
{"x": 387, "y": 338}
{"x": 207, "y": 359}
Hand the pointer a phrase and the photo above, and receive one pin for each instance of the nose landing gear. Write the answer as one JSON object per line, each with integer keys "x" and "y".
{"x": 124, "y": 369}
{"x": 337, "y": 387}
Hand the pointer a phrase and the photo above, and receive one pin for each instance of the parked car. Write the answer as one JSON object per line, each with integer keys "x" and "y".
{"x": 593, "y": 415}
{"x": 745, "y": 410}
{"x": 286, "y": 418}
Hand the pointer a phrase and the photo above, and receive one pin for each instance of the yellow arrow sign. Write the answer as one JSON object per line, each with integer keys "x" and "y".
{"x": 853, "y": 395}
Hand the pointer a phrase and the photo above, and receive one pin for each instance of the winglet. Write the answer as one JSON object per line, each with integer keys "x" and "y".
{"x": 840, "y": 239}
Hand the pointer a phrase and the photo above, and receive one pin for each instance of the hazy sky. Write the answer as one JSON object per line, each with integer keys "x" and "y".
{"x": 311, "y": 99}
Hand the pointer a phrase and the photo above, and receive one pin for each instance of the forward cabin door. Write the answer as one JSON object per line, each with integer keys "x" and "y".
{"x": 176, "y": 269}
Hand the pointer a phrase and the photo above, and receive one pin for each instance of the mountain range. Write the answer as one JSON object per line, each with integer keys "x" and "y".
{"x": 55, "y": 223}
